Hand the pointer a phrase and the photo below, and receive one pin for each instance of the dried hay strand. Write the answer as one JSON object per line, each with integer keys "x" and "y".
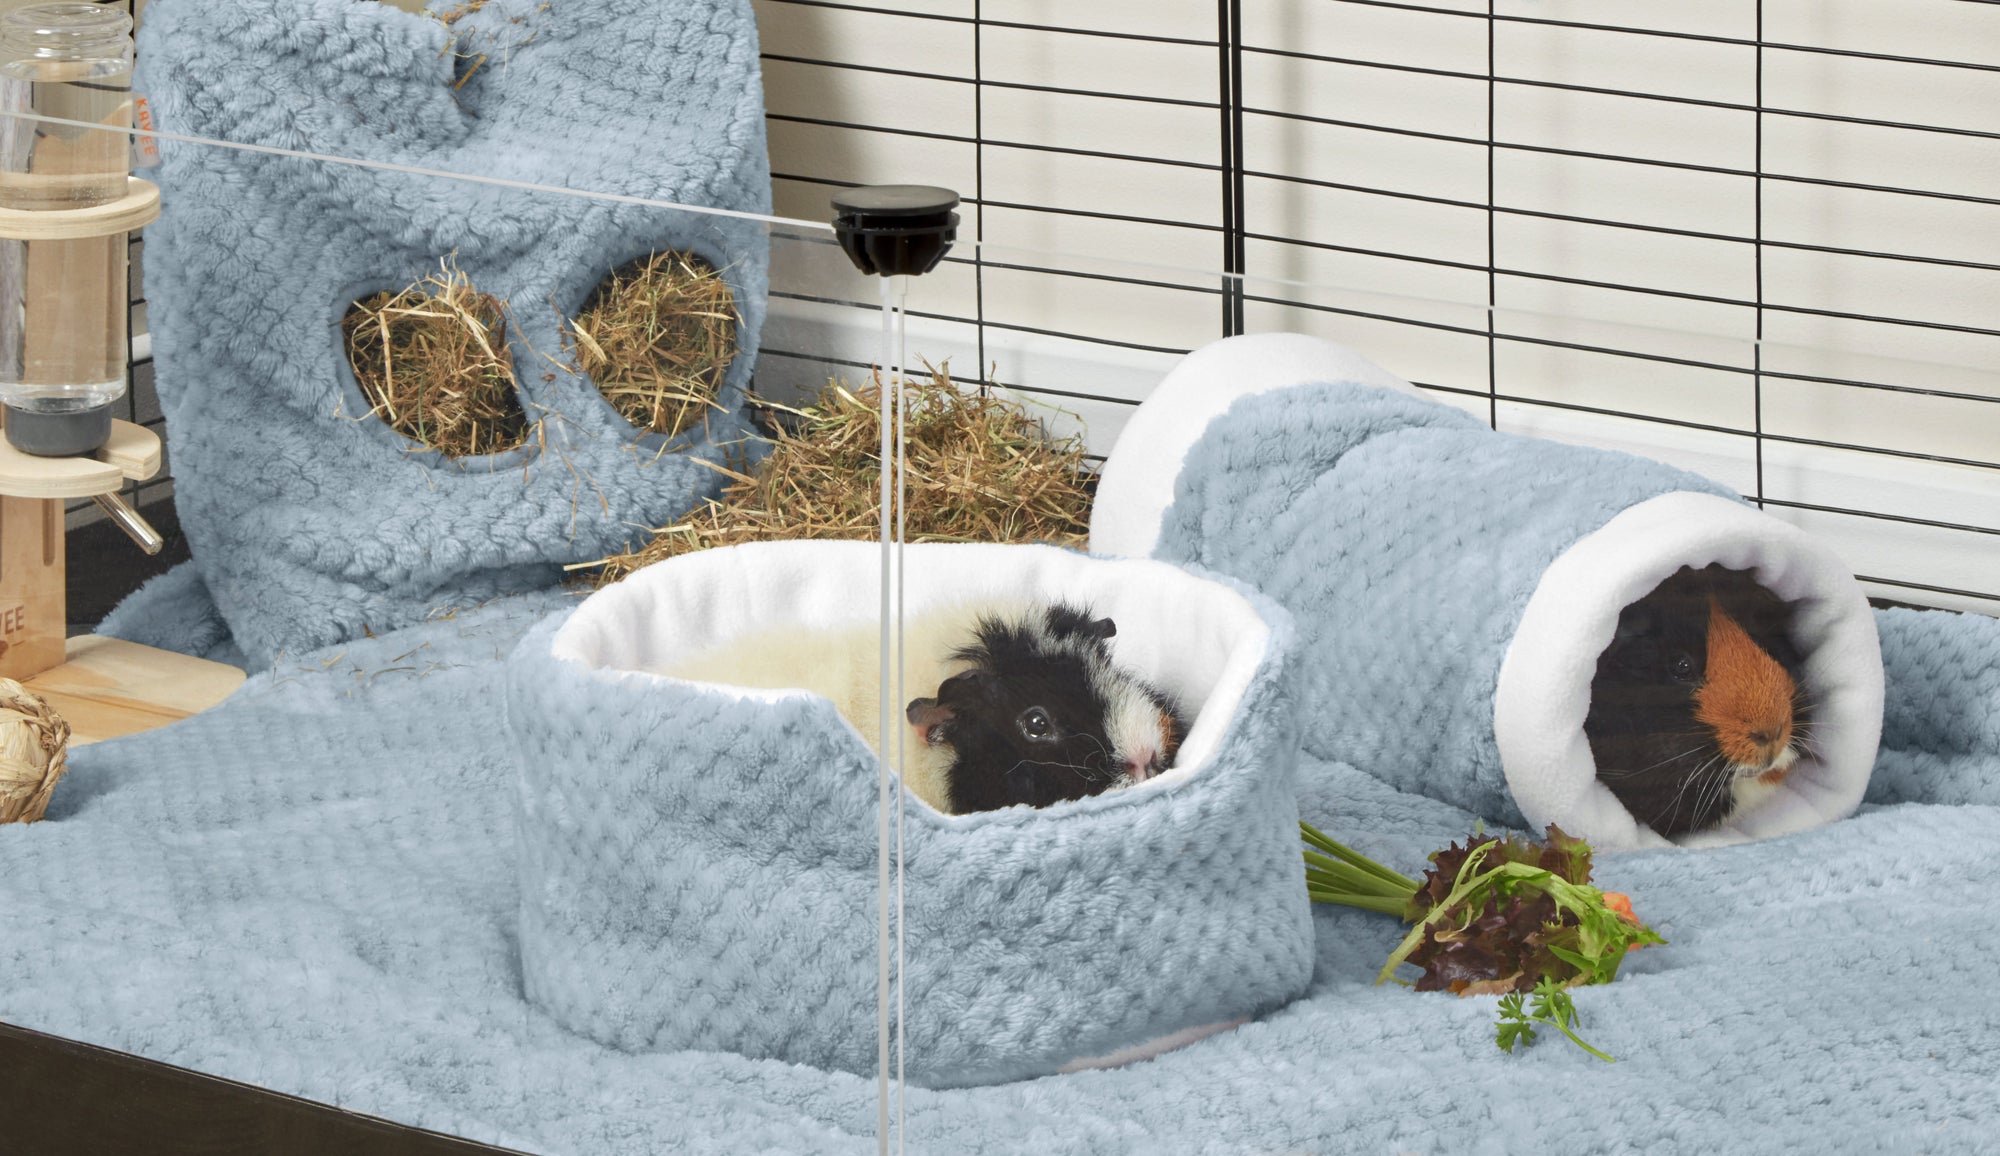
{"x": 657, "y": 336}
{"x": 978, "y": 469}
{"x": 34, "y": 753}
{"x": 433, "y": 362}
{"x": 458, "y": 12}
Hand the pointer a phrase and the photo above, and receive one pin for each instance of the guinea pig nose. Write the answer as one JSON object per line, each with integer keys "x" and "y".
{"x": 1763, "y": 738}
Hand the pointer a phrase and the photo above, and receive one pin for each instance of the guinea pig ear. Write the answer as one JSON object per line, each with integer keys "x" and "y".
{"x": 1070, "y": 621}
{"x": 967, "y": 686}
{"x": 1636, "y": 621}
{"x": 928, "y": 713}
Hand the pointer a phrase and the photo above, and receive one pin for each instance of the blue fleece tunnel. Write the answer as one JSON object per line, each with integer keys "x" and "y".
{"x": 1454, "y": 587}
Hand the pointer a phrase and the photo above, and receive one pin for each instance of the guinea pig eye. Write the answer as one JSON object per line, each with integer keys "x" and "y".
{"x": 1036, "y": 724}
{"x": 1682, "y": 668}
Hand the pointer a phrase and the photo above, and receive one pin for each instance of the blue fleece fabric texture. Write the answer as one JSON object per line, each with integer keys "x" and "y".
{"x": 1941, "y": 721}
{"x": 699, "y": 871}
{"x": 313, "y": 888}
{"x": 172, "y": 611}
{"x": 1405, "y": 538}
{"x": 308, "y": 521}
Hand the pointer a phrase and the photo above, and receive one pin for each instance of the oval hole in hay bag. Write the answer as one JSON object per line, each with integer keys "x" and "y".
{"x": 657, "y": 337}
{"x": 433, "y": 363}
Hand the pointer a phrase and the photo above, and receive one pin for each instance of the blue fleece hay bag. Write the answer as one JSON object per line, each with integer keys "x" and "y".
{"x": 698, "y": 862}
{"x": 309, "y": 522}
{"x": 1453, "y": 587}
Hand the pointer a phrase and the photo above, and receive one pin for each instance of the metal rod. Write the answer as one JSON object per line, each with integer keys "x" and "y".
{"x": 130, "y": 521}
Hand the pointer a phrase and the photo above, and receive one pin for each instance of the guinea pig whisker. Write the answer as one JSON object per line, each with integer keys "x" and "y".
{"x": 1705, "y": 775}
{"x": 1674, "y": 804}
{"x": 1805, "y": 741}
{"x": 1104, "y": 754}
{"x": 1708, "y": 795}
{"x": 1713, "y": 792}
{"x": 1082, "y": 772}
{"x": 1615, "y": 774}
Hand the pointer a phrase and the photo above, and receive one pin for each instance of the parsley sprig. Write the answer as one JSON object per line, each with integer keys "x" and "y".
{"x": 1552, "y": 1006}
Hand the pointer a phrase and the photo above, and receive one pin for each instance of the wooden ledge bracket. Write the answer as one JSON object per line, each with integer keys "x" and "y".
{"x": 132, "y": 453}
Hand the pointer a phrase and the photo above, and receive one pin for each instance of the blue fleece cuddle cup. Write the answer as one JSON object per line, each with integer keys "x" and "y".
{"x": 1453, "y": 587}
{"x": 699, "y": 861}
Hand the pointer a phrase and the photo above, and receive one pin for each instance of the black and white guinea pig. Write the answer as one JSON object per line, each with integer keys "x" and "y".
{"x": 1041, "y": 714}
{"x": 1696, "y": 711}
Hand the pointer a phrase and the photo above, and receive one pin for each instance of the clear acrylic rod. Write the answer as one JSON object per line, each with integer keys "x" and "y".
{"x": 892, "y": 524}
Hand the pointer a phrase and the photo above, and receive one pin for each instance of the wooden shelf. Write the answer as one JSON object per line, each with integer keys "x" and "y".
{"x": 107, "y": 687}
{"x": 133, "y": 452}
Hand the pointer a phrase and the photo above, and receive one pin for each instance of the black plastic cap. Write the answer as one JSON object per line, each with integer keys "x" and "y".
{"x": 895, "y": 230}
{"x": 59, "y": 435}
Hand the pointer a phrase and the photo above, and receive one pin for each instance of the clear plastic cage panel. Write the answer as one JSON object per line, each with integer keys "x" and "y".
{"x": 623, "y": 725}
{"x": 537, "y": 765}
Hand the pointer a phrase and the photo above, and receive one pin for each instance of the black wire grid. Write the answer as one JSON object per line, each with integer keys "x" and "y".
{"x": 1238, "y": 227}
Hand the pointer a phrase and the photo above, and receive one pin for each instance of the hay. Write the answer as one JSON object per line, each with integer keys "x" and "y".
{"x": 433, "y": 362}
{"x": 978, "y": 468}
{"x": 34, "y": 753}
{"x": 657, "y": 337}
{"x": 458, "y": 12}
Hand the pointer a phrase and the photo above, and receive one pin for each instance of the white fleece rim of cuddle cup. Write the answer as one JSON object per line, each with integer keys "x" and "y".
{"x": 1195, "y": 639}
{"x": 1543, "y": 692}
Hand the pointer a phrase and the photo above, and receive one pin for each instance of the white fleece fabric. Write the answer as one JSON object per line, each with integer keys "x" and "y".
{"x": 1543, "y": 694}
{"x": 1197, "y": 641}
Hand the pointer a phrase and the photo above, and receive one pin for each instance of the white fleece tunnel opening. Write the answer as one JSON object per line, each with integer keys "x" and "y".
{"x": 1543, "y": 693}
{"x": 1196, "y": 640}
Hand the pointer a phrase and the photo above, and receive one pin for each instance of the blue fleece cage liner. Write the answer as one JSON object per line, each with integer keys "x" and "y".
{"x": 1453, "y": 587}
{"x": 309, "y": 522}
{"x": 698, "y": 862}
{"x": 313, "y": 888}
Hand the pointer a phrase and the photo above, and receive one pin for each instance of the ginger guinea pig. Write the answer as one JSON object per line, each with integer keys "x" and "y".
{"x": 1696, "y": 712}
{"x": 1041, "y": 714}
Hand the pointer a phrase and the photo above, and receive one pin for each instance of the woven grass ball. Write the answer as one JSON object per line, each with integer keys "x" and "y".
{"x": 34, "y": 753}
